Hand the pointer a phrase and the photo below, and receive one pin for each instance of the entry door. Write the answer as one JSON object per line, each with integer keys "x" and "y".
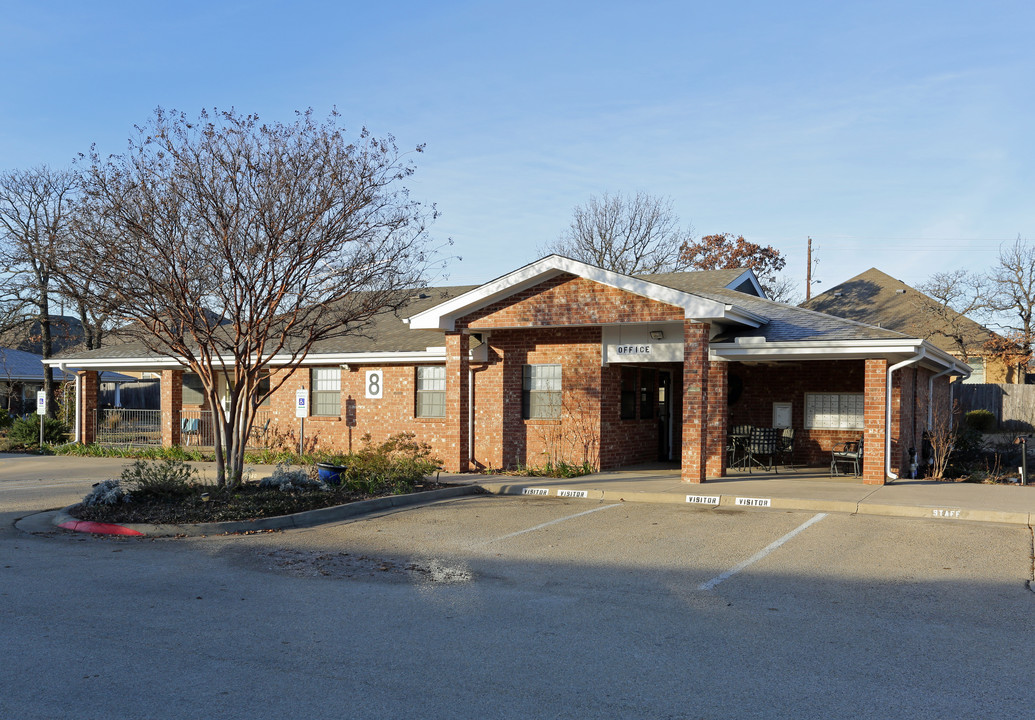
{"x": 664, "y": 415}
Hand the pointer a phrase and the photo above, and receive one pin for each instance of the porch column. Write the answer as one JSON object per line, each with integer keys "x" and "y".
{"x": 89, "y": 384}
{"x": 695, "y": 406}
{"x": 718, "y": 418}
{"x": 874, "y": 412}
{"x": 172, "y": 405}
{"x": 458, "y": 430}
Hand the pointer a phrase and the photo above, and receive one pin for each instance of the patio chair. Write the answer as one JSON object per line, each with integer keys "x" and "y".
{"x": 786, "y": 447}
{"x": 763, "y": 444}
{"x": 190, "y": 428}
{"x": 849, "y": 454}
{"x": 736, "y": 446}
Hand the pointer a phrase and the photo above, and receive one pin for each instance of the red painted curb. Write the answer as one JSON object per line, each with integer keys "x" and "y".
{"x": 97, "y": 528}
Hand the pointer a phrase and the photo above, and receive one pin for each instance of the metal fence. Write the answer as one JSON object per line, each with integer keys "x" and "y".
{"x": 129, "y": 427}
{"x": 196, "y": 429}
{"x": 1012, "y": 405}
{"x": 144, "y": 428}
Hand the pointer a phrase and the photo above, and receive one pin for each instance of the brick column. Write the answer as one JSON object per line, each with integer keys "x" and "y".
{"x": 874, "y": 409}
{"x": 89, "y": 384}
{"x": 718, "y": 417}
{"x": 695, "y": 407}
{"x": 458, "y": 436}
{"x": 172, "y": 405}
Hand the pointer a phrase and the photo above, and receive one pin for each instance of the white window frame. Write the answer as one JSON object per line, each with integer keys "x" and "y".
{"x": 835, "y": 411}
{"x": 325, "y": 384}
{"x": 431, "y": 391}
{"x": 541, "y": 388}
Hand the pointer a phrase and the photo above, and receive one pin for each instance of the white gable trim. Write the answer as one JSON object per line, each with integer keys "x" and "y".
{"x": 445, "y": 315}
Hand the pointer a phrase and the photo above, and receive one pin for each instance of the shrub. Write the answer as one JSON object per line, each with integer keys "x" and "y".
{"x": 981, "y": 420}
{"x": 164, "y": 479}
{"x": 109, "y": 492}
{"x": 5, "y": 419}
{"x": 292, "y": 480}
{"x": 26, "y": 431}
{"x": 393, "y": 466}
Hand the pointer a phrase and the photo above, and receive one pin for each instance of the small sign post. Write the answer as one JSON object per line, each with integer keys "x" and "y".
{"x": 41, "y": 410}
{"x": 301, "y": 411}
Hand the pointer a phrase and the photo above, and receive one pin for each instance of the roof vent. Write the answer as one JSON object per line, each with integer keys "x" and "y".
{"x": 837, "y": 294}
{"x": 900, "y": 291}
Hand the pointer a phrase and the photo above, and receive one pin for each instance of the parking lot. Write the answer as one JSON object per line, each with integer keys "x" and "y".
{"x": 525, "y": 607}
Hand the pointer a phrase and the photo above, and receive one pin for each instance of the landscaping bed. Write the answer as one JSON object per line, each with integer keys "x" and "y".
{"x": 168, "y": 491}
{"x": 248, "y": 502}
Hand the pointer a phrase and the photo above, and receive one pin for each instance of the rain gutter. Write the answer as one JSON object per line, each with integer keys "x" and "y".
{"x": 887, "y": 410}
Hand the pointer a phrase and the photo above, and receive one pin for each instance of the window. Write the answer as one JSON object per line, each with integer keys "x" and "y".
{"x": 193, "y": 390}
{"x": 541, "y": 392}
{"x": 647, "y": 394}
{"x": 628, "y": 393}
{"x": 326, "y": 391}
{"x": 431, "y": 391}
{"x": 834, "y": 411}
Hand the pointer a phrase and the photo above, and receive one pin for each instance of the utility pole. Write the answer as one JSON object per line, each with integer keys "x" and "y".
{"x": 808, "y": 273}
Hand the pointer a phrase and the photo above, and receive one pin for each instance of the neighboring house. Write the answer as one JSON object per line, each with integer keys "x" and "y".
{"x": 876, "y": 298}
{"x": 21, "y": 377}
{"x": 560, "y": 360}
{"x": 66, "y": 333}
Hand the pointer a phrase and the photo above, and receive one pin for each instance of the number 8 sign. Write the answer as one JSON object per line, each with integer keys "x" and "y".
{"x": 375, "y": 387}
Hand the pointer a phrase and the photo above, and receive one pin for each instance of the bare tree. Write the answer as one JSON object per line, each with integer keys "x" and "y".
{"x": 630, "y": 235}
{"x": 952, "y": 299}
{"x": 230, "y": 244}
{"x": 722, "y": 251}
{"x": 1012, "y": 291}
{"x": 34, "y": 225}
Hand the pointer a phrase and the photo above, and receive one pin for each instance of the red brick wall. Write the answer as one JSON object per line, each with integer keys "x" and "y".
{"x": 89, "y": 385}
{"x": 171, "y": 391}
{"x": 569, "y": 300}
{"x": 876, "y": 417}
{"x": 695, "y": 401}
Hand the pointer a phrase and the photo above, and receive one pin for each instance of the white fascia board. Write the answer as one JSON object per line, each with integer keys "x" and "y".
{"x": 834, "y": 350}
{"x": 444, "y": 315}
{"x": 430, "y": 355}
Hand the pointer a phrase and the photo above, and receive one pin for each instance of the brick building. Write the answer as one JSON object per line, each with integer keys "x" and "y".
{"x": 560, "y": 360}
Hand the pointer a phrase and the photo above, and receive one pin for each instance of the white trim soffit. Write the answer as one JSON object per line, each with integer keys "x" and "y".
{"x": 757, "y": 348}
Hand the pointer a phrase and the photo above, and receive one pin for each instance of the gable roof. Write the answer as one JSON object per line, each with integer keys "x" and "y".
{"x": 695, "y": 306}
{"x": 877, "y": 298}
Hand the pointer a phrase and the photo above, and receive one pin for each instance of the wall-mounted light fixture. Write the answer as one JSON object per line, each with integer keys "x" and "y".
{"x": 345, "y": 367}
{"x": 657, "y": 335}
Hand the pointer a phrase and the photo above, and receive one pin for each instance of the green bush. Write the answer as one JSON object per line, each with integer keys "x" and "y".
{"x": 981, "y": 420}
{"x": 5, "y": 419}
{"x": 392, "y": 467}
{"x": 164, "y": 479}
{"x": 26, "y": 431}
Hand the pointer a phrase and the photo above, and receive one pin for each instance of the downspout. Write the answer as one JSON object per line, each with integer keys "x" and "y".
{"x": 470, "y": 417}
{"x": 887, "y": 410}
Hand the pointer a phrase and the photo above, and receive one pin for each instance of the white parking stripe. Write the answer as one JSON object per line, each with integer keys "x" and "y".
{"x": 547, "y": 524}
{"x": 761, "y": 553}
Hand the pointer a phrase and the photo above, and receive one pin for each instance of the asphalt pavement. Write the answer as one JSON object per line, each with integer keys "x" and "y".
{"x": 787, "y": 489}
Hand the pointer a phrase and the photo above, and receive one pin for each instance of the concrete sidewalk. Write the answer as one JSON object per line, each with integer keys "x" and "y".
{"x": 798, "y": 489}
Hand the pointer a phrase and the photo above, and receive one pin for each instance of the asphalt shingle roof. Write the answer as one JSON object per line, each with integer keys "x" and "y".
{"x": 876, "y": 297}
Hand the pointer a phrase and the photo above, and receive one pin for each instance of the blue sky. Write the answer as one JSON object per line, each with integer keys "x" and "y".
{"x": 895, "y": 134}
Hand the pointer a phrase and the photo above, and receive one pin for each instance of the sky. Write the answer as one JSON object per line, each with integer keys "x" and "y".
{"x": 896, "y": 135}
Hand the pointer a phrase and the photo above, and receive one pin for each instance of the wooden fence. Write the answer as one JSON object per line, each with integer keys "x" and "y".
{"x": 1012, "y": 405}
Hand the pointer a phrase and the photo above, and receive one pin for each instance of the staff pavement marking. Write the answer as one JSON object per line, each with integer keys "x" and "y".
{"x": 761, "y": 553}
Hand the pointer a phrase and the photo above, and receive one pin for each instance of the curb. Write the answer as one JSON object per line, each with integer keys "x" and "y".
{"x": 704, "y": 499}
{"x": 309, "y": 518}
